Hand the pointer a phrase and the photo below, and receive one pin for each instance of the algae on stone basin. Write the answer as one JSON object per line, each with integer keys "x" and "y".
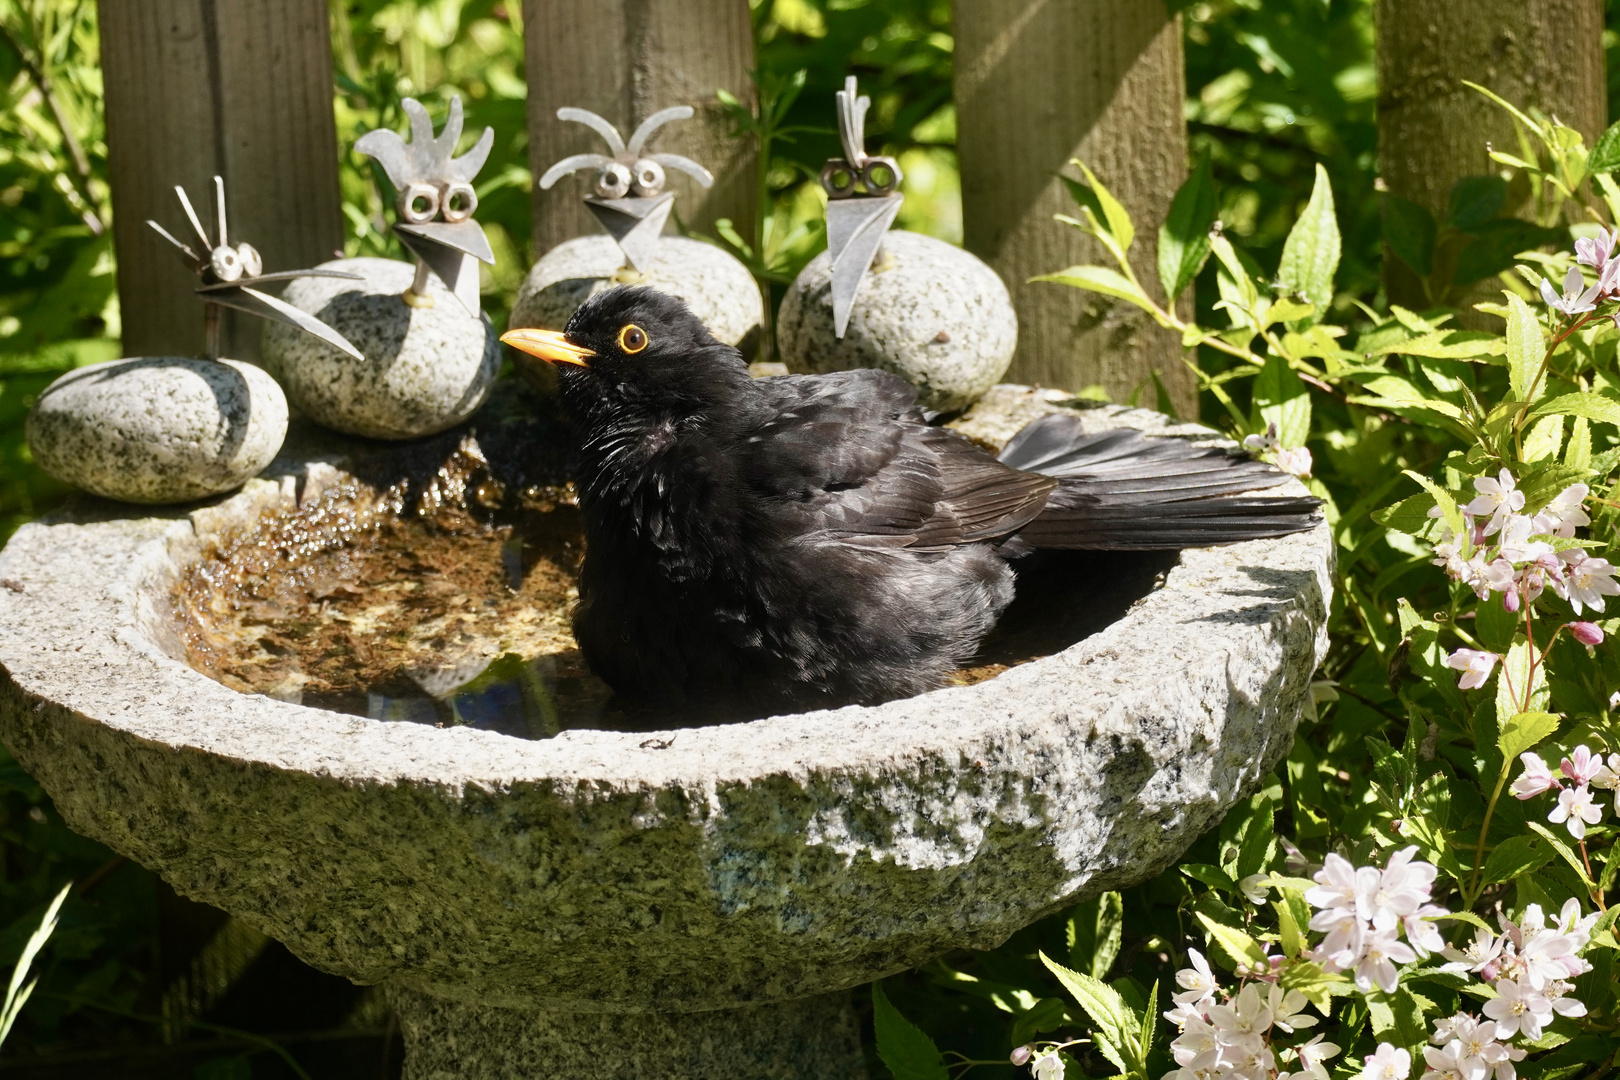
{"x": 439, "y": 589}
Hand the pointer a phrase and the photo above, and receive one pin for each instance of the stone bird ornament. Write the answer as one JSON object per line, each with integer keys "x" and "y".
{"x": 436, "y": 200}
{"x": 862, "y": 201}
{"x": 628, "y": 195}
{"x": 812, "y": 539}
{"x": 229, "y": 273}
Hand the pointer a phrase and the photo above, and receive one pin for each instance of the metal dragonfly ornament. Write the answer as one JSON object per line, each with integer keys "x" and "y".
{"x": 229, "y": 274}
{"x": 862, "y": 200}
{"x": 628, "y": 197}
{"x": 435, "y": 201}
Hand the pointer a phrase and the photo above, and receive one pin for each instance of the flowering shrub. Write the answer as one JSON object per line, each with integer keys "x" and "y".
{"x": 1417, "y": 893}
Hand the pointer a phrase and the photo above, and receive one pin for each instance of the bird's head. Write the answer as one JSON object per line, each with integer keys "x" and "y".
{"x": 636, "y": 350}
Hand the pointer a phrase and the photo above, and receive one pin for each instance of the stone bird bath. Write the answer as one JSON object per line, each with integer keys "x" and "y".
{"x": 664, "y": 901}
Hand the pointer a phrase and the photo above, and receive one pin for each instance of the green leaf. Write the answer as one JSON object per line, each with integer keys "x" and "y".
{"x": 1259, "y": 843}
{"x": 1564, "y": 851}
{"x": 1445, "y": 345}
{"x": 1281, "y": 398}
{"x": 1213, "y": 876}
{"x": 1525, "y": 346}
{"x": 1114, "y": 1028}
{"x": 1310, "y": 255}
{"x": 1449, "y": 513}
{"x": 1399, "y": 1017}
{"x": 1514, "y": 856}
{"x": 1236, "y": 273}
{"x": 1605, "y": 155}
{"x": 1475, "y": 200}
{"x": 1309, "y": 979}
{"x": 1095, "y": 930}
{"x": 1410, "y": 231}
{"x": 1525, "y": 731}
{"x": 1184, "y": 236}
{"x": 1592, "y": 406}
{"x": 904, "y": 1047}
{"x": 1410, "y": 515}
{"x": 1100, "y": 279}
{"x": 1237, "y": 948}
{"x": 1543, "y": 439}
{"x": 1119, "y": 220}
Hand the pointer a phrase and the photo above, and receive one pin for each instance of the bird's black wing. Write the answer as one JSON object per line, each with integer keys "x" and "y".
{"x": 849, "y": 457}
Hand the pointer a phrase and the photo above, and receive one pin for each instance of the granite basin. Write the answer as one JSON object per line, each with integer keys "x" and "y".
{"x": 547, "y": 890}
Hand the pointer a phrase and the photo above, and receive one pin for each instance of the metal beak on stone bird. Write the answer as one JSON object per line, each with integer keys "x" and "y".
{"x": 228, "y": 274}
{"x": 436, "y": 201}
{"x": 862, "y": 201}
{"x": 629, "y": 197}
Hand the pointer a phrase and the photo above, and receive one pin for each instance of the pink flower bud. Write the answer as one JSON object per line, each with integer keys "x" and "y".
{"x": 1019, "y": 1056}
{"x": 1586, "y": 633}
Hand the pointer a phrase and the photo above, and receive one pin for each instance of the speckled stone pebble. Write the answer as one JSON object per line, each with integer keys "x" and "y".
{"x": 425, "y": 369}
{"x": 717, "y": 287}
{"x": 158, "y": 429}
{"x": 927, "y": 311}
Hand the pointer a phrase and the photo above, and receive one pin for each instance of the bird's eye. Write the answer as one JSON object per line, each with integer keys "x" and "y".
{"x": 632, "y": 339}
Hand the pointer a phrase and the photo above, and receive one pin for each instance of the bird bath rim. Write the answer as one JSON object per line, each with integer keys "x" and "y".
{"x": 824, "y": 849}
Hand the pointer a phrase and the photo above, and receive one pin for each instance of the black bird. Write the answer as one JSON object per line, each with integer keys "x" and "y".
{"x": 811, "y": 538}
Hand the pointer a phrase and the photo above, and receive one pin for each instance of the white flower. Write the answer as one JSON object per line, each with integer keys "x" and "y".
{"x": 1313, "y": 1054}
{"x": 1516, "y": 545}
{"x": 1557, "y": 992}
{"x": 1475, "y": 665}
{"x": 1575, "y": 299}
{"x": 1582, "y": 765}
{"x": 1608, "y": 776}
{"x": 1335, "y": 884}
{"x": 1262, "y": 443}
{"x": 1573, "y": 925}
{"x": 1541, "y": 957}
{"x": 1448, "y": 553}
{"x": 1497, "y": 498}
{"x": 1344, "y": 929}
{"x": 1563, "y": 515}
{"x": 1255, "y": 888}
{"x": 1535, "y": 779}
{"x": 1241, "y": 1022}
{"x": 1387, "y": 1063}
{"x": 1380, "y": 952}
{"x": 1195, "y": 1047}
{"x": 1287, "y": 1009}
{"x": 1295, "y": 460}
{"x": 1421, "y": 930}
{"x": 1400, "y": 889}
{"x": 1478, "y": 955}
{"x": 1594, "y": 251}
{"x": 1576, "y": 809}
{"x": 1048, "y": 1067}
{"x": 1588, "y": 580}
{"x": 1197, "y": 982}
{"x": 1517, "y": 1008}
{"x": 1445, "y": 1063}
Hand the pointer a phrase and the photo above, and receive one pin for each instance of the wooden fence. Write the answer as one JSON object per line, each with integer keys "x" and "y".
{"x": 243, "y": 88}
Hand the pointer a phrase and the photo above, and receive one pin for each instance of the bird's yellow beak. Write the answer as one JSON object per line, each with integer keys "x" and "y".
{"x": 548, "y": 345}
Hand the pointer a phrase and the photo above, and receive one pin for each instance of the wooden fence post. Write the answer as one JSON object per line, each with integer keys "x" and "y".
{"x": 1039, "y": 82}
{"x": 626, "y": 59}
{"x": 195, "y": 88}
{"x": 1433, "y": 130}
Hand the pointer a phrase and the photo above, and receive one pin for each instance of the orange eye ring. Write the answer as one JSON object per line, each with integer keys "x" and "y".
{"x": 632, "y": 339}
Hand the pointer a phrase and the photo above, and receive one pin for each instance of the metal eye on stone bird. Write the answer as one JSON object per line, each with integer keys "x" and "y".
{"x": 166, "y": 429}
{"x": 629, "y": 196}
{"x": 891, "y": 299}
{"x": 430, "y": 355}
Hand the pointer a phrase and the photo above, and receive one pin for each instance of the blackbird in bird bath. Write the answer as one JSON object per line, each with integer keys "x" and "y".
{"x": 813, "y": 538}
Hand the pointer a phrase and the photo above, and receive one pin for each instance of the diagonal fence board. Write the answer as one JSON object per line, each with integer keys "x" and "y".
{"x": 241, "y": 88}
{"x": 625, "y": 60}
{"x": 1039, "y": 82}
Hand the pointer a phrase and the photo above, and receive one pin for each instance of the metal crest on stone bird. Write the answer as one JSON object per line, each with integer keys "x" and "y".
{"x": 228, "y": 274}
{"x": 628, "y": 195}
{"x": 435, "y": 200}
{"x": 813, "y": 539}
{"x": 862, "y": 201}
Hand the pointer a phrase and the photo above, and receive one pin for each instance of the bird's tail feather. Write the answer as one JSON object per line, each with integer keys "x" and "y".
{"x": 1121, "y": 491}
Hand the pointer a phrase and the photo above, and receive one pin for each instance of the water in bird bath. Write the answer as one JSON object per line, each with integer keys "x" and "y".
{"x": 435, "y": 584}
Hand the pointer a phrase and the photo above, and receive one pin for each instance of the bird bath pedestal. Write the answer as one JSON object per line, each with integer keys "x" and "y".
{"x": 687, "y": 902}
